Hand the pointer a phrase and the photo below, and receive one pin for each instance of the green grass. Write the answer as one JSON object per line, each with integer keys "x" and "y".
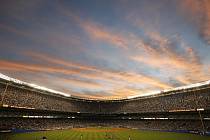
{"x": 102, "y": 134}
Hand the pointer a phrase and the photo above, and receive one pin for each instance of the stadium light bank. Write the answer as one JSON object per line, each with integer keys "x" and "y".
{"x": 171, "y": 90}
{"x": 32, "y": 85}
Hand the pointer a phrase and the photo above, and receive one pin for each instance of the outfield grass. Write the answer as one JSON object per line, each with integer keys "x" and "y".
{"x": 102, "y": 134}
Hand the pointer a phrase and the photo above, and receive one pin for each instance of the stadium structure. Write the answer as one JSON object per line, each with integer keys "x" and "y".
{"x": 30, "y": 107}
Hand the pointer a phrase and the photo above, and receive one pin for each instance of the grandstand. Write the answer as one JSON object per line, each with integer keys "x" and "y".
{"x": 29, "y": 107}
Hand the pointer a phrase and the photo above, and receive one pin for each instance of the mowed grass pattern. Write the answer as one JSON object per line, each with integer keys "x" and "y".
{"x": 102, "y": 134}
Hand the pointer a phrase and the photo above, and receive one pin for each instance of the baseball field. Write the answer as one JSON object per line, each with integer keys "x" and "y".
{"x": 101, "y": 134}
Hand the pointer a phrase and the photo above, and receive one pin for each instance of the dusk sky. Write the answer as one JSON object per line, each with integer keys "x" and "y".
{"x": 105, "y": 48}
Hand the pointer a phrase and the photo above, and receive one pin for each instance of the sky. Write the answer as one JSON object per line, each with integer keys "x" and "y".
{"x": 105, "y": 48}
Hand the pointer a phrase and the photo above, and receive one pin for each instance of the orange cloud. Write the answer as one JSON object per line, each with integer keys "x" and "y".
{"x": 97, "y": 32}
{"x": 95, "y": 73}
{"x": 113, "y": 77}
{"x": 88, "y": 84}
{"x": 165, "y": 56}
{"x": 124, "y": 92}
{"x": 155, "y": 55}
{"x": 206, "y": 28}
{"x": 183, "y": 80}
{"x": 82, "y": 84}
{"x": 9, "y": 65}
{"x": 138, "y": 78}
{"x": 197, "y": 12}
{"x": 55, "y": 60}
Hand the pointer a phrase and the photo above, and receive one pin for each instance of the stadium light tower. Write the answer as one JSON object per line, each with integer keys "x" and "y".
{"x": 199, "y": 113}
{"x": 3, "y": 94}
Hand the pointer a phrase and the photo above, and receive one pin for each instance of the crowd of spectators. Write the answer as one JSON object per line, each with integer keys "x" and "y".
{"x": 175, "y": 102}
{"x": 51, "y": 124}
{"x": 18, "y": 97}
